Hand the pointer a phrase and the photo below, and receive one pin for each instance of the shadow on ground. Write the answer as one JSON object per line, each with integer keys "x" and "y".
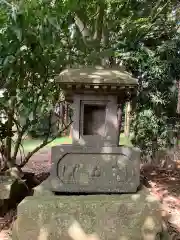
{"x": 164, "y": 184}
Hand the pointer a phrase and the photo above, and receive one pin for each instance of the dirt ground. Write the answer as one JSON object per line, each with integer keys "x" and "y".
{"x": 165, "y": 184}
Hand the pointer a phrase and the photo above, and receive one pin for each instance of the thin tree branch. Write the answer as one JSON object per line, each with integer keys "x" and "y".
{"x": 24, "y": 128}
{"x": 82, "y": 28}
{"x": 43, "y": 144}
{"x": 18, "y": 143}
{"x": 10, "y": 115}
{"x": 158, "y": 13}
{"x": 21, "y": 151}
{"x": 6, "y": 109}
{"x": 154, "y": 9}
{"x": 153, "y": 21}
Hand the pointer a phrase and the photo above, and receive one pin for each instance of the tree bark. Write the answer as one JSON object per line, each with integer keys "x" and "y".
{"x": 127, "y": 119}
{"x": 178, "y": 112}
{"x": 81, "y": 26}
{"x": 99, "y": 22}
{"x": 10, "y": 123}
{"x": 92, "y": 39}
{"x": 178, "y": 100}
{"x": 119, "y": 117}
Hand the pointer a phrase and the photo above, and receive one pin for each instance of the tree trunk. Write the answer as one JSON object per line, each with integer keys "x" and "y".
{"x": 66, "y": 118}
{"x": 127, "y": 119}
{"x": 178, "y": 112}
{"x": 98, "y": 37}
{"x": 10, "y": 123}
{"x": 119, "y": 116}
{"x": 178, "y": 100}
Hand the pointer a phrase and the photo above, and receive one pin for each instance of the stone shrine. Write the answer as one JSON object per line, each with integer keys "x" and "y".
{"x": 74, "y": 202}
{"x": 95, "y": 162}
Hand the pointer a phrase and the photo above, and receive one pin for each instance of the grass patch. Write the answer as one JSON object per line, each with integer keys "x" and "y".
{"x": 30, "y": 144}
{"x": 126, "y": 141}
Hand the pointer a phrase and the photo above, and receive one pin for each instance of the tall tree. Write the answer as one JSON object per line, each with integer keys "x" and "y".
{"x": 32, "y": 53}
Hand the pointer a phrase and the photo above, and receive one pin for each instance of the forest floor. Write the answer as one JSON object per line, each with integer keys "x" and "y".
{"x": 163, "y": 183}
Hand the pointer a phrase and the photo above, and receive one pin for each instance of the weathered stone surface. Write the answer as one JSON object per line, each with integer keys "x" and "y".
{"x": 6, "y": 184}
{"x": 107, "y": 217}
{"x": 102, "y": 125}
{"x": 88, "y": 169}
{"x": 96, "y": 76}
{"x": 42, "y": 190}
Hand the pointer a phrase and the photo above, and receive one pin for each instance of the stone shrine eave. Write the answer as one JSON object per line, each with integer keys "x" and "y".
{"x": 96, "y": 77}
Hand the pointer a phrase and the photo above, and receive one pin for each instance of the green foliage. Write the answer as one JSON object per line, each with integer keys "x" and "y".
{"x": 156, "y": 100}
{"x": 150, "y": 132}
{"x": 32, "y": 53}
{"x": 3, "y": 131}
{"x": 41, "y": 128}
{"x": 40, "y": 38}
{"x": 150, "y": 50}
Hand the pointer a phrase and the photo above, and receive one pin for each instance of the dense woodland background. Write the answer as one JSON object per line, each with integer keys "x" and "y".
{"x": 38, "y": 39}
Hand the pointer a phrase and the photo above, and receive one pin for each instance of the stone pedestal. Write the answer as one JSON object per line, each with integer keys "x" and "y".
{"x": 98, "y": 217}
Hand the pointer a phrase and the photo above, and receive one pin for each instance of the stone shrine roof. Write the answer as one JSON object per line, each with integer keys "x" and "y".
{"x": 96, "y": 76}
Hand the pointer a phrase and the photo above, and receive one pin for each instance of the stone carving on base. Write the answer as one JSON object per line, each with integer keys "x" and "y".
{"x": 79, "y": 169}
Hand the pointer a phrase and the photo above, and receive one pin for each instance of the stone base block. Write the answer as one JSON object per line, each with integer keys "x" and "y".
{"x": 92, "y": 217}
{"x": 94, "y": 170}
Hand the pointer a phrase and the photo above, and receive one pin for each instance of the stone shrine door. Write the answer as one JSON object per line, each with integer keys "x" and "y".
{"x": 95, "y": 120}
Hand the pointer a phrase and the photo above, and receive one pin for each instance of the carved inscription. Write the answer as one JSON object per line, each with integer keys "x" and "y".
{"x": 68, "y": 173}
{"x": 106, "y": 171}
{"x": 71, "y": 174}
{"x": 115, "y": 171}
{"x": 120, "y": 173}
{"x": 96, "y": 172}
